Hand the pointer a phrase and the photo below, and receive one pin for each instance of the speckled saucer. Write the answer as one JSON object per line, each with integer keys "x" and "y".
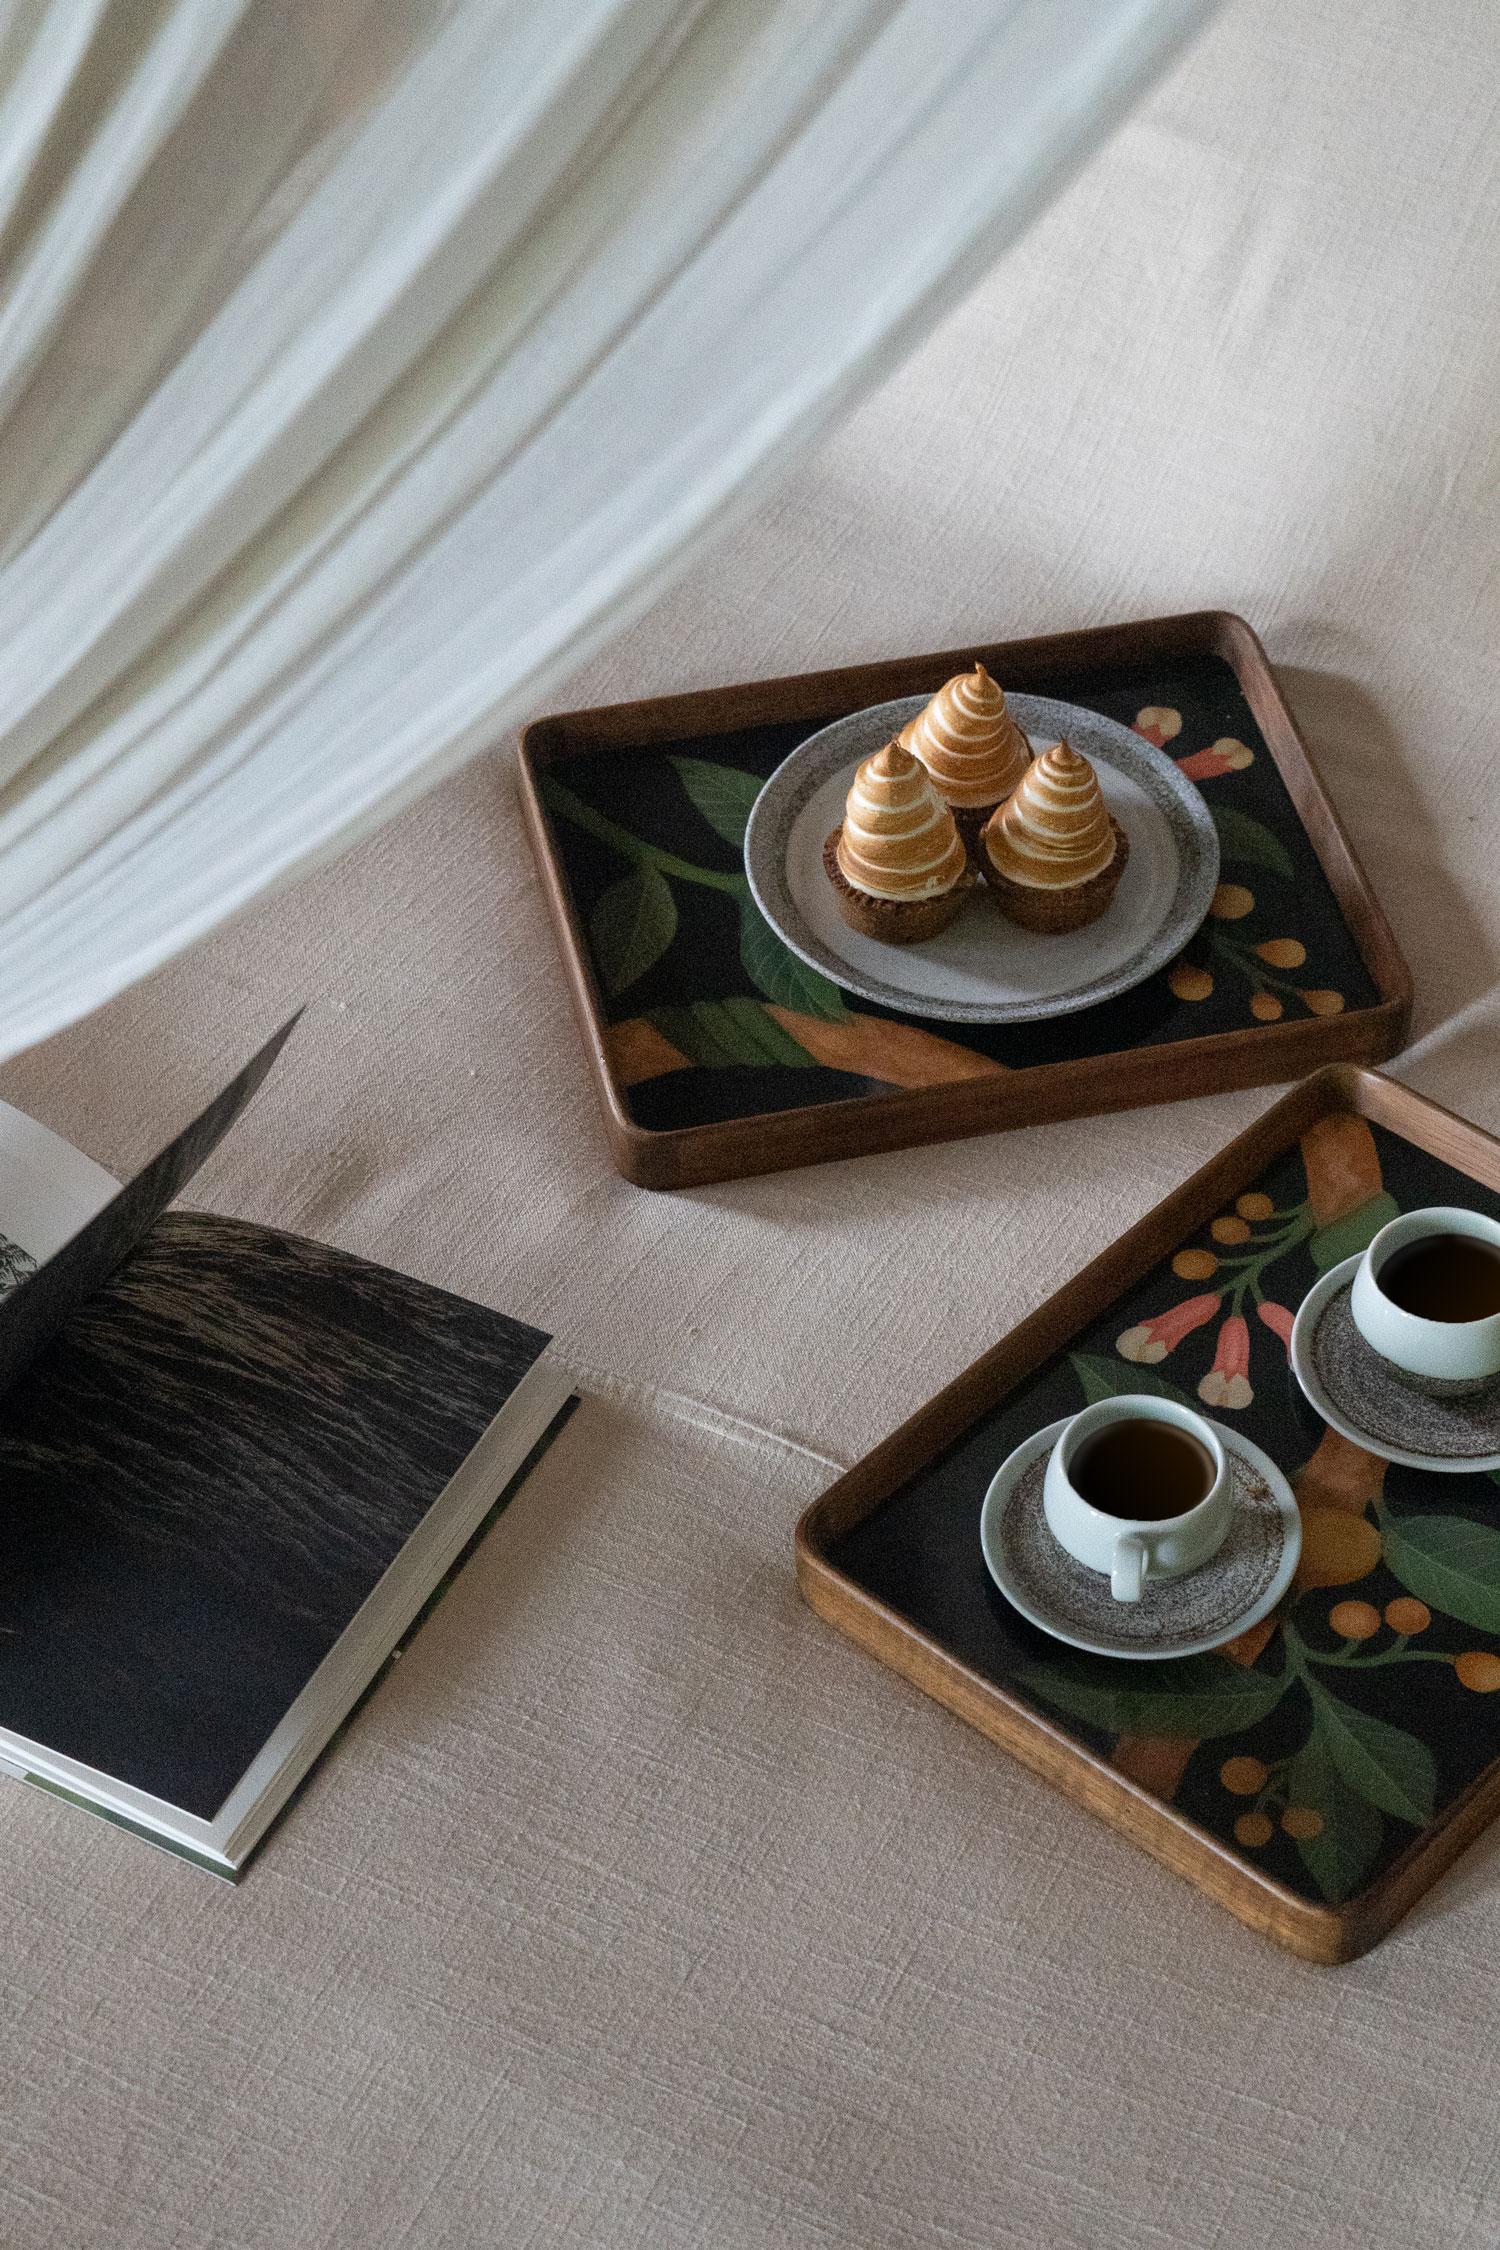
{"x": 1174, "y": 1616}
{"x": 1361, "y": 1396}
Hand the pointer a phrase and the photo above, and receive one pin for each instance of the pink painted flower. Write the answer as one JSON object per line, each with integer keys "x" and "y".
{"x": 1279, "y": 1321}
{"x": 1227, "y": 1383}
{"x": 1158, "y": 722}
{"x": 1224, "y": 756}
{"x": 1151, "y": 1340}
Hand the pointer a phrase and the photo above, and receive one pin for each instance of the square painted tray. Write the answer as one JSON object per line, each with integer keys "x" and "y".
{"x": 716, "y": 1054}
{"x": 1316, "y": 1776}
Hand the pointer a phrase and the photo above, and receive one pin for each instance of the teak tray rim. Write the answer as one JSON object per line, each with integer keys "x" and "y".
{"x": 1327, "y": 1934}
{"x": 1126, "y": 1078}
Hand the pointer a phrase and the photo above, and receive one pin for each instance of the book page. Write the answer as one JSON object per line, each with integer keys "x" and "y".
{"x": 48, "y": 1190}
{"x": 48, "y": 1287}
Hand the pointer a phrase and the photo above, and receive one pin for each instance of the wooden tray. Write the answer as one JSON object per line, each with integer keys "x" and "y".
{"x": 1389, "y": 1764}
{"x": 717, "y": 1054}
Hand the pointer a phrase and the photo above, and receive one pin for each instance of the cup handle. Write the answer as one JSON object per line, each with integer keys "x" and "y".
{"x": 1129, "y": 1573}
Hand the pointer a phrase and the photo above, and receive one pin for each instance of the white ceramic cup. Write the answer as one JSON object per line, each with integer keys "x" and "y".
{"x": 1129, "y": 1551}
{"x": 1444, "y": 1353}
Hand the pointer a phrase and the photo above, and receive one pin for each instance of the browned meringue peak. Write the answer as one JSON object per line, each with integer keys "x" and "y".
{"x": 968, "y": 741}
{"x": 1055, "y": 830}
{"x": 898, "y": 839}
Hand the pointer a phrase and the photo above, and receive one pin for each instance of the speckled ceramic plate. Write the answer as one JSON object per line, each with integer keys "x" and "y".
{"x": 1357, "y": 1394}
{"x": 1174, "y": 1616}
{"x": 983, "y": 969}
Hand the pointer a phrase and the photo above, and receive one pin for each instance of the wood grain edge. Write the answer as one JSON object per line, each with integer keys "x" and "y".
{"x": 1331, "y": 1934}
{"x": 1049, "y": 1093}
{"x": 1243, "y": 650}
{"x": 635, "y": 1153}
{"x": 1316, "y": 1933}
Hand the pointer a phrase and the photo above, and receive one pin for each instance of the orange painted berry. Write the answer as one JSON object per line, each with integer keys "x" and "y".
{"x": 1407, "y": 1615}
{"x": 1478, "y": 1671}
{"x": 1195, "y": 1265}
{"x": 1282, "y": 952}
{"x": 1266, "y": 1008}
{"x": 1242, "y": 1777}
{"x": 1356, "y": 1621}
{"x": 1229, "y": 1230}
{"x": 1189, "y": 982}
{"x": 1325, "y": 1003}
{"x": 1254, "y": 1205}
{"x": 1337, "y": 1547}
{"x": 1302, "y": 1821}
{"x": 1231, "y": 902}
{"x": 1252, "y": 1829}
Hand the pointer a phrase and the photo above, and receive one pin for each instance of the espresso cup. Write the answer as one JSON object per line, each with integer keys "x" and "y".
{"x": 1130, "y": 1549}
{"x": 1449, "y": 1357}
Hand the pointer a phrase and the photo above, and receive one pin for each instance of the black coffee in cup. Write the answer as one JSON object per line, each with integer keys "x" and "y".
{"x": 1142, "y": 1471}
{"x": 1450, "y": 1277}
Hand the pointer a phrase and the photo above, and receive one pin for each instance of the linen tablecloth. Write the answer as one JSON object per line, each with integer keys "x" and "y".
{"x": 638, "y": 1908}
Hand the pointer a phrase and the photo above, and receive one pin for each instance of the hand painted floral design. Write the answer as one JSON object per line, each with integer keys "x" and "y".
{"x": 1243, "y": 1244}
{"x": 1159, "y": 723}
{"x": 1149, "y": 1341}
{"x": 1325, "y": 1727}
{"x": 1227, "y": 1383}
{"x": 1224, "y": 756}
{"x": 695, "y": 988}
{"x": 1261, "y": 965}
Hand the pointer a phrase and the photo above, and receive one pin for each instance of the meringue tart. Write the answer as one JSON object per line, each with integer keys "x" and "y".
{"x": 896, "y": 861}
{"x": 1054, "y": 854}
{"x": 972, "y": 749}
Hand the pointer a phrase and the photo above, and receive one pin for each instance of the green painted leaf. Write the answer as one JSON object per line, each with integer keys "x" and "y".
{"x": 776, "y": 970}
{"x": 722, "y": 794}
{"x": 632, "y": 926}
{"x": 1448, "y": 1562}
{"x": 1250, "y": 843}
{"x": 1112, "y": 1378}
{"x": 1355, "y": 1231}
{"x": 1382, "y": 1763}
{"x": 721, "y": 1033}
{"x": 1347, "y": 1846}
{"x": 1196, "y": 1696}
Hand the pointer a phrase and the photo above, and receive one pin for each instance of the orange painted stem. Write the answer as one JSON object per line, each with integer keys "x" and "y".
{"x": 866, "y": 1046}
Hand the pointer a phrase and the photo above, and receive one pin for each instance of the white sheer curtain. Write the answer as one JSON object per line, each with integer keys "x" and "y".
{"x": 363, "y": 363}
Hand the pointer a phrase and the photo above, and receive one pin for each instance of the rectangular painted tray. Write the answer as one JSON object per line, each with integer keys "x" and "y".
{"x": 1319, "y": 1774}
{"x": 709, "y": 1064}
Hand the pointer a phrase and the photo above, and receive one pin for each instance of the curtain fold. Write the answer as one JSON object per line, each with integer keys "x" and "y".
{"x": 363, "y": 366}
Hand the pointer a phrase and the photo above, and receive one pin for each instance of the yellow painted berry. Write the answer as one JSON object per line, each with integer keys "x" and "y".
{"x": 1189, "y": 982}
{"x": 1356, "y": 1621}
{"x": 1302, "y": 1821}
{"x": 1337, "y": 1547}
{"x": 1254, "y": 1205}
{"x": 1478, "y": 1671}
{"x": 1229, "y": 1230}
{"x": 1195, "y": 1265}
{"x": 1266, "y": 1008}
{"x": 1282, "y": 952}
{"x": 1253, "y": 1829}
{"x": 1231, "y": 902}
{"x": 1324, "y": 1003}
{"x": 1242, "y": 1777}
{"x": 1407, "y": 1615}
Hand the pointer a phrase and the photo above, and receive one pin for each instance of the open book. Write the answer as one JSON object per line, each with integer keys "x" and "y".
{"x": 236, "y": 1466}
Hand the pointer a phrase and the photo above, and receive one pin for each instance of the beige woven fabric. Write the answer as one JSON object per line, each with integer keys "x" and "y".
{"x": 638, "y": 1909}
